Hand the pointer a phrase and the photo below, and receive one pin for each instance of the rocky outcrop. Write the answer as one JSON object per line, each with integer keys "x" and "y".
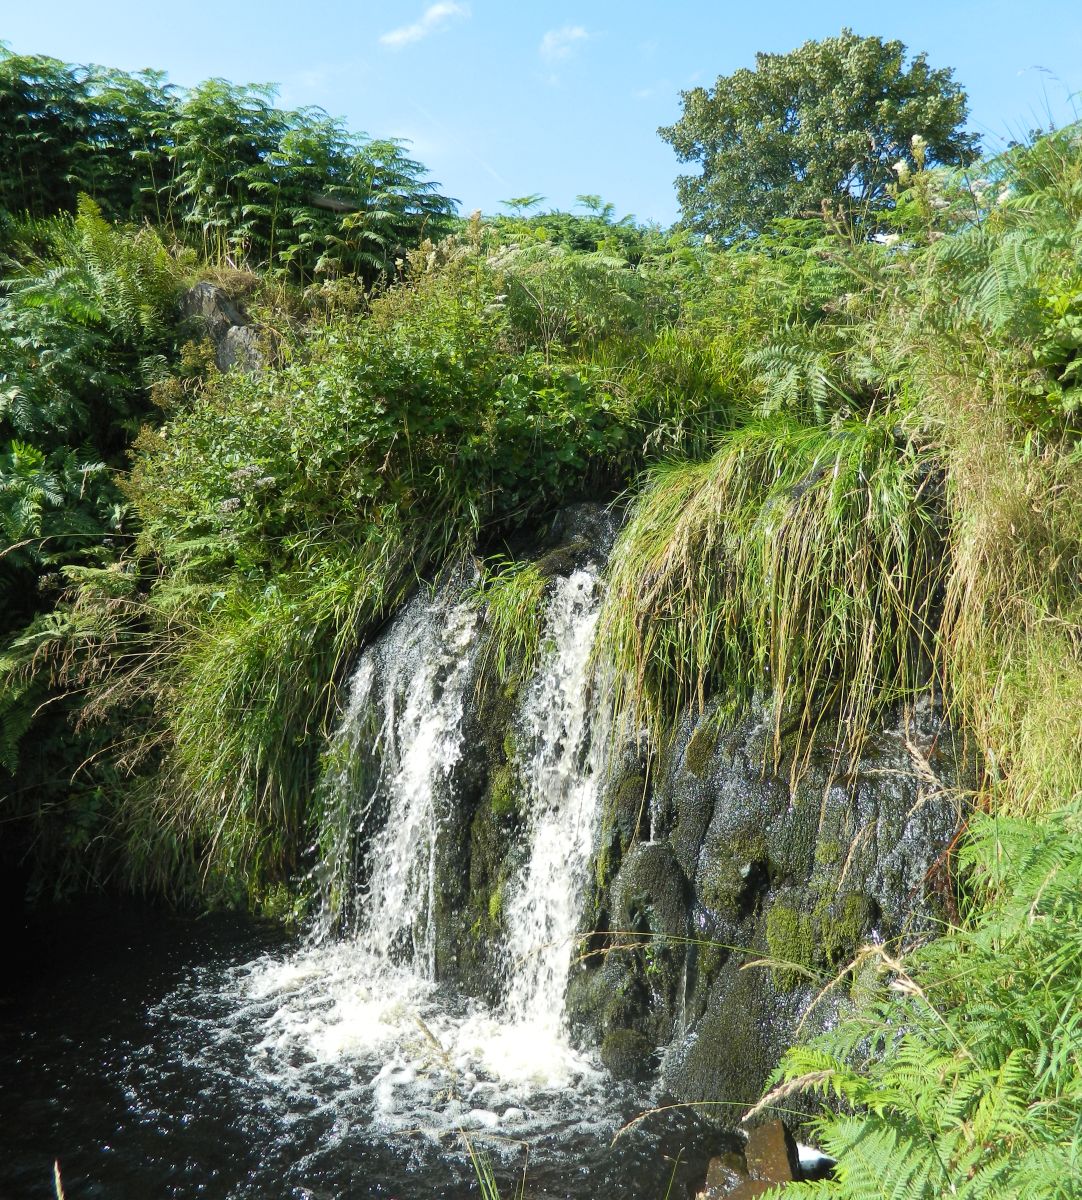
{"x": 236, "y": 342}
{"x": 770, "y": 1158}
{"x": 745, "y": 890}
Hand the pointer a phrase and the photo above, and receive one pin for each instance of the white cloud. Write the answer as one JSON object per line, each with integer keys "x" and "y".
{"x": 559, "y": 44}
{"x": 434, "y": 17}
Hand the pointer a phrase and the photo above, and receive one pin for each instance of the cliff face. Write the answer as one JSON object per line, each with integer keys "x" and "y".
{"x": 716, "y": 862}
{"x": 705, "y": 860}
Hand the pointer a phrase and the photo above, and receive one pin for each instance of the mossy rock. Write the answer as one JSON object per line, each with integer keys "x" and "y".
{"x": 710, "y": 957}
{"x": 627, "y": 1054}
{"x": 729, "y": 886}
{"x": 844, "y": 924}
{"x": 701, "y": 748}
{"x": 828, "y": 853}
{"x": 504, "y": 792}
{"x": 651, "y": 892}
{"x": 791, "y": 941}
{"x": 625, "y": 804}
{"x": 564, "y": 559}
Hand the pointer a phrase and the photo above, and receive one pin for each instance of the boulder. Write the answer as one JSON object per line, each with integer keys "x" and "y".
{"x": 236, "y": 343}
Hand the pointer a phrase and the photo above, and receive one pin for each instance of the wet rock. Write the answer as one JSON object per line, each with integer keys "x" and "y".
{"x": 724, "y": 1173}
{"x": 803, "y": 872}
{"x": 771, "y": 1153}
{"x": 651, "y": 892}
{"x": 770, "y": 1158}
{"x": 626, "y": 1054}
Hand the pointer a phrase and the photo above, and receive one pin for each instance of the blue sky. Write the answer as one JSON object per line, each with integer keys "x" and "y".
{"x": 502, "y": 99}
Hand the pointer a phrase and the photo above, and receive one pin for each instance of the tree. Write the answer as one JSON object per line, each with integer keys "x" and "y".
{"x": 828, "y": 121}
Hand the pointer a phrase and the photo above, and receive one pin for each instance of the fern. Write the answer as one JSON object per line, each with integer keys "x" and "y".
{"x": 964, "y": 1073}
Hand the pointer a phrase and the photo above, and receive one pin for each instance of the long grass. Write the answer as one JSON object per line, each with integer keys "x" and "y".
{"x": 512, "y": 594}
{"x": 799, "y": 564}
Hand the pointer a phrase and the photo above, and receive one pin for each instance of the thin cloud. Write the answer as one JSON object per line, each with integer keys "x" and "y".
{"x": 434, "y": 17}
{"x": 559, "y": 44}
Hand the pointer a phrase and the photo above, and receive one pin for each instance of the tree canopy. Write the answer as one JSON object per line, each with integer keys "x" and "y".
{"x": 828, "y": 121}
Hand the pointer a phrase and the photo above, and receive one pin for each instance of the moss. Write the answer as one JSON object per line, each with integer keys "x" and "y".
{"x": 503, "y": 791}
{"x": 700, "y": 749}
{"x": 624, "y": 807}
{"x": 563, "y": 559}
{"x": 606, "y": 864}
{"x": 721, "y": 887}
{"x": 844, "y": 924}
{"x": 790, "y": 937}
{"x": 495, "y": 906}
{"x": 827, "y": 853}
{"x": 627, "y": 1054}
{"x": 710, "y": 959}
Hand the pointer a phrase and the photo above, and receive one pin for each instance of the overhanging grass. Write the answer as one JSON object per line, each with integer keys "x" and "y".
{"x": 512, "y": 594}
{"x": 1011, "y": 646}
{"x": 800, "y": 563}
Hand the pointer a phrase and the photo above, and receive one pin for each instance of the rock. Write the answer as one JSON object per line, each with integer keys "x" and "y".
{"x": 651, "y": 892}
{"x": 724, "y": 1173}
{"x": 213, "y": 307}
{"x": 772, "y": 1154}
{"x": 626, "y": 1054}
{"x": 240, "y": 348}
{"x": 236, "y": 343}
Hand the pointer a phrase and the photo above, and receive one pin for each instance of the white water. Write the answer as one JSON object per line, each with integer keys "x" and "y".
{"x": 417, "y": 1058}
{"x": 561, "y": 773}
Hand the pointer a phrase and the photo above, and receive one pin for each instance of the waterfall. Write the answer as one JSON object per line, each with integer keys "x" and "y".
{"x": 407, "y": 697}
{"x": 362, "y": 1002}
{"x": 560, "y": 773}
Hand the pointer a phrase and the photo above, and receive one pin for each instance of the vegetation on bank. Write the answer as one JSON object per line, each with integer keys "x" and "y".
{"x": 852, "y": 463}
{"x": 959, "y": 1074}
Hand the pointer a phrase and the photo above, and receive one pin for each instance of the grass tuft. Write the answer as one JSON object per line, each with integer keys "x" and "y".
{"x": 799, "y": 564}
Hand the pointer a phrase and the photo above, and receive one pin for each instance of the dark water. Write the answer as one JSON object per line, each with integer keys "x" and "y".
{"x": 123, "y": 1057}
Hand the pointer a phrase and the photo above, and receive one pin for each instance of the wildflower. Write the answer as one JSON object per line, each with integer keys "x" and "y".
{"x": 243, "y": 475}
{"x": 231, "y": 504}
{"x": 901, "y": 169}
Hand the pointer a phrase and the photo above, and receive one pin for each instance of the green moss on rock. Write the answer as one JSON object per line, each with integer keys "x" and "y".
{"x": 790, "y": 938}
{"x": 844, "y": 925}
{"x": 827, "y": 853}
{"x": 700, "y": 748}
{"x": 503, "y": 791}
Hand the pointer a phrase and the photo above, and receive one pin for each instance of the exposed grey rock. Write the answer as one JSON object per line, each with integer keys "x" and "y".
{"x": 240, "y": 348}
{"x": 236, "y": 343}
{"x": 804, "y": 872}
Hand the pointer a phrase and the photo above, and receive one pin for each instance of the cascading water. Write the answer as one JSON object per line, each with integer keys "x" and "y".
{"x": 393, "y": 764}
{"x": 457, "y": 829}
{"x": 561, "y": 770}
{"x": 361, "y": 1003}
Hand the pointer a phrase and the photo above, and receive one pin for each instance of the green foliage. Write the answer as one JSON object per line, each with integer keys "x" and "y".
{"x": 826, "y": 122}
{"x": 218, "y": 165}
{"x": 799, "y": 562}
{"x": 961, "y": 1075}
{"x": 83, "y": 329}
{"x": 512, "y": 595}
{"x": 852, "y": 463}
{"x": 288, "y": 514}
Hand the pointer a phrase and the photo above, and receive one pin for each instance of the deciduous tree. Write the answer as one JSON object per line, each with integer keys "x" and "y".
{"x": 828, "y": 121}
